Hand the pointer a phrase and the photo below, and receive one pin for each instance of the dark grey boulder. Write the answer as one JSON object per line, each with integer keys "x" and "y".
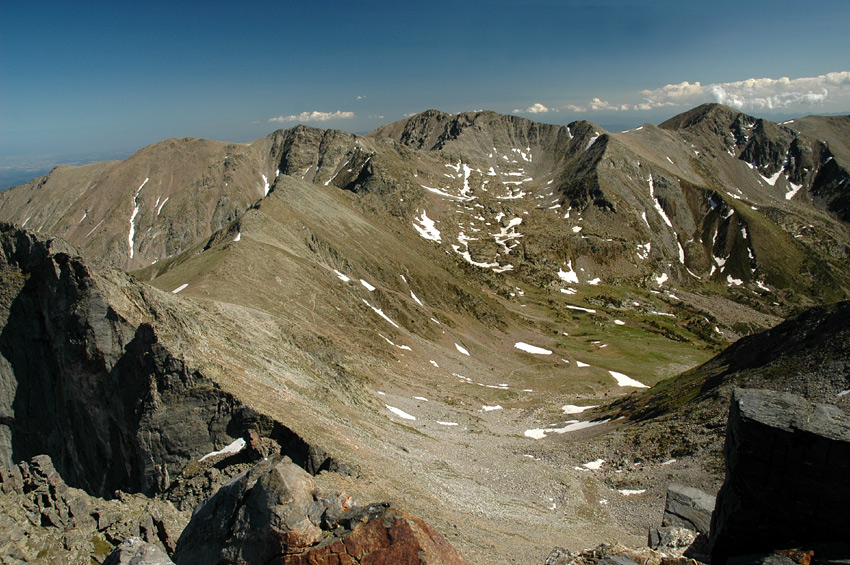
{"x": 787, "y": 469}
{"x": 258, "y": 515}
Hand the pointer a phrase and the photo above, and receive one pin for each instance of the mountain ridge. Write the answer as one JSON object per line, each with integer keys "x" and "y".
{"x": 379, "y": 299}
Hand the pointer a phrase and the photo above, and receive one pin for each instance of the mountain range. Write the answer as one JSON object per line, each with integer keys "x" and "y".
{"x": 425, "y": 311}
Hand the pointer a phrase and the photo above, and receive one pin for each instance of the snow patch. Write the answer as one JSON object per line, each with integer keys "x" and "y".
{"x": 427, "y": 228}
{"x": 133, "y": 216}
{"x": 540, "y": 433}
{"x": 795, "y": 188}
{"x": 657, "y": 203}
{"x": 380, "y": 313}
{"x": 462, "y": 349}
{"x": 630, "y": 492}
{"x": 234, "y": 447}
{"x": 404, "y": 347}
{"x": 368, "y": 286}
{"x": 772, "y": 179}
{"x": 342, "y": 277}
{"x": 580, "y": 309}
{"x": 573, "y": 409}
{"x": 179, "y": 288}
{"x": 644, "y": 249}
{"x": 570, "y": 275}
{"x": 532, "y": 348}
{"x": 399, "y": 412}
{"x": 623, "y": 380}
{"x": 491, "y": 408}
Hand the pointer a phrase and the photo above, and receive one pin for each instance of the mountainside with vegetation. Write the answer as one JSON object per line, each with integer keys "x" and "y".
{"x": 424, "y": 311}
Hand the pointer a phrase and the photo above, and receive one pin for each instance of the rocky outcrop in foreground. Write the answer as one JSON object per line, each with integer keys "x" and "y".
{"x": 114, "y": 407}
{"x": 784, "y": 500}
{"x": 275, "y": 514}
{"x": 787, "y": 469}
{"x": 272, "y": 513}
{"x": 42, "y": 520}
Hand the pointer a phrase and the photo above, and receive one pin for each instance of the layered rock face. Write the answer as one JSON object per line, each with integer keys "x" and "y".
{"x": 787, "y": 463}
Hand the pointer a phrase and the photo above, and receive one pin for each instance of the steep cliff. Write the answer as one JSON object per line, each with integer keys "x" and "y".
{"x": 112, "y": 406}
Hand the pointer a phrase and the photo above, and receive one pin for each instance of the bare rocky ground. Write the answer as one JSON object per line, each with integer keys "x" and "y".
{"x": 295, "y": 287}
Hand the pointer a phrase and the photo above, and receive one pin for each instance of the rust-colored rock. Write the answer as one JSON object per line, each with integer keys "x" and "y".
{"x": 384, "y": 535}
{"x": 274, "y": 513}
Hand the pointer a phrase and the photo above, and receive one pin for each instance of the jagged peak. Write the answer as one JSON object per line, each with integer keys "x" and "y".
{"x": 432, "y": 129}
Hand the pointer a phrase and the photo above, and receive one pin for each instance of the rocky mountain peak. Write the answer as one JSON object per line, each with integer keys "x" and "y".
{"x": 710, "y": 113}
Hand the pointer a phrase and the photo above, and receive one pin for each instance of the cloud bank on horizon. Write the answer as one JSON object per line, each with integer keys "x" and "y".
{"x": 314, "y": 116}
{"x": 752, "y": 94}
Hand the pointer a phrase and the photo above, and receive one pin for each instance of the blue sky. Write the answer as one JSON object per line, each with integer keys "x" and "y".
{"x": 100, "y": 78}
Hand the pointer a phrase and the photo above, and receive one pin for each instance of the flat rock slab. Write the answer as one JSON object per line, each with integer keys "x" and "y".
{"x": 689, "y": 508}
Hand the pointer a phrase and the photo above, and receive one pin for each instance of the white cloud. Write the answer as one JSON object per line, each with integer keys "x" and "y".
{"x": 599, "y": 105}
{"x": 536, "y": 108}
{"x": 314, "y": 116}
{"x": 757, "y": 93}
{"x": 361, "y": 97}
